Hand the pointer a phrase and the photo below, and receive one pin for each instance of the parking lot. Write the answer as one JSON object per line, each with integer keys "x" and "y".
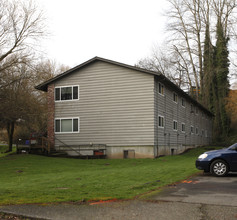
{"x": 204, "y": 189}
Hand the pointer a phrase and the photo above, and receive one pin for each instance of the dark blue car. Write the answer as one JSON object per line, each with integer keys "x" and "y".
{"x": 219, "y": 162}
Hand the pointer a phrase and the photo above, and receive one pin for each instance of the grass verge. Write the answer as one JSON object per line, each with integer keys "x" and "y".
{"x": 4, "y": 148}
{"x": 39, "y": 179}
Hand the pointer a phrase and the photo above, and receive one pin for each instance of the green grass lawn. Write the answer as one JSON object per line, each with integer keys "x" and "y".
{"x": 40, "y": 179}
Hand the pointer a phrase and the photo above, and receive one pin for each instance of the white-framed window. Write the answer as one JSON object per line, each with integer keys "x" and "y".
{"x": 183, "y": 127}
{"x": 202, "y": 133}
{"x": 66, "y": 93}
{"x": 161, "y": 121}
{"x": 183, "y": 102}
{"x": 67, "y": 125}
{"x": 196, "y": 110}
{"x": 175, "y": 97}
{"x": 175, "y": 125}
{"x": 192, "y": 129}
{"x": 196, "y": 131}
{"x": 161, "y": 89}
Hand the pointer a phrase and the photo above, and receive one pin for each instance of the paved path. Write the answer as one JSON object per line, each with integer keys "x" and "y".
{"x": 200, "y": 198}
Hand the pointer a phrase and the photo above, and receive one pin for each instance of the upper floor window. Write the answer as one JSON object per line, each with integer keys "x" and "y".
{"x": 161, "y": 89}
{"x": 66, "y": 93}
{"x": 183, "y": 102}
{"x": 196, "y": 110}
{"x": 196, "y": 130}
{"x": 175, "y": 97}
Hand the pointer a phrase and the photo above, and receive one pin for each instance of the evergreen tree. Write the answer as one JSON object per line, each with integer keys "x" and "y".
{"x": 222, "y": 82}
{"x": 215, "y": 80}
{"x": 208, "y": 72}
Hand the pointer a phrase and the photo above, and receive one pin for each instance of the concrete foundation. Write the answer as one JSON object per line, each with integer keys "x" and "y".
{"x": 130, "y": 152}
{"x": 124, "y": 152}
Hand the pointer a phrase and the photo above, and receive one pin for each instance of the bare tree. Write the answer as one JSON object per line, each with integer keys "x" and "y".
{"x": 22, "y": 25}
{"x": 170, "y": 63}
{"x": 186, "y": 28}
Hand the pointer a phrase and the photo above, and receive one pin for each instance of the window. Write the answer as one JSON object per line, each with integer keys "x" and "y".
{"x": 161, "y": 89}
{"x": 66, "y": 93}
{"x": 161, "y": 121}
{"x": 183, "y": 102}
{"x": 192, "y": 108}
{"x": 202, "y": 133}
{"x": 67, "y": 125}
{"x": 175, "y": 125}
{"x": 175, "y": 97}
{"x": 183, "y": 127}
{"x": 196, "y": 131}
{"x": 192, "y": 129}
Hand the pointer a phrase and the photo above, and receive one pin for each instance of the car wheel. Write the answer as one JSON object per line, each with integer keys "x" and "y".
{"x": 219, "y": 168}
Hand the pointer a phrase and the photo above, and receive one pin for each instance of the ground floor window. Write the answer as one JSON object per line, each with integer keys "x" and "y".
{"x": 183, "y": 127}
{"x": 202, "y": 133}
{"x": 196, "y": 130}
{"x": 161, "y": 121}
{"x": 175, "y": 125}
{"x": 67, "y": 125}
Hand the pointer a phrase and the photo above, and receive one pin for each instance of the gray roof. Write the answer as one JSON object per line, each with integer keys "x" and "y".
{"x": 44, "y": 86}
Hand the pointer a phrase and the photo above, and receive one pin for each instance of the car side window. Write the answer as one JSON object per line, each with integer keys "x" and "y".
{"x": 233, "y": 147}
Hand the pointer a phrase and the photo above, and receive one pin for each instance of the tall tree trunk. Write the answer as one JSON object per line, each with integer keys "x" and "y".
{"x": 10, "y": 132}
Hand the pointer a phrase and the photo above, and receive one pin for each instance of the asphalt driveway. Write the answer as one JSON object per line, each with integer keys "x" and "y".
{"x": 203, "y": 197}
{"x": 203, "y": 189}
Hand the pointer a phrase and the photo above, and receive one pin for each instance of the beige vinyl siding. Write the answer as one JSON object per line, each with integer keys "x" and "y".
{"x": 115, "y": 106}
{"x": 173, "y": 111}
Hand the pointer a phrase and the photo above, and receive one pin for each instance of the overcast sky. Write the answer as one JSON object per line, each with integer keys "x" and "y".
{"x": 120, "y": 30}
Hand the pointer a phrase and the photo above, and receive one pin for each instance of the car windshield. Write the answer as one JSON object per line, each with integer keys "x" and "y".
{"x": 233, "y": 147}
